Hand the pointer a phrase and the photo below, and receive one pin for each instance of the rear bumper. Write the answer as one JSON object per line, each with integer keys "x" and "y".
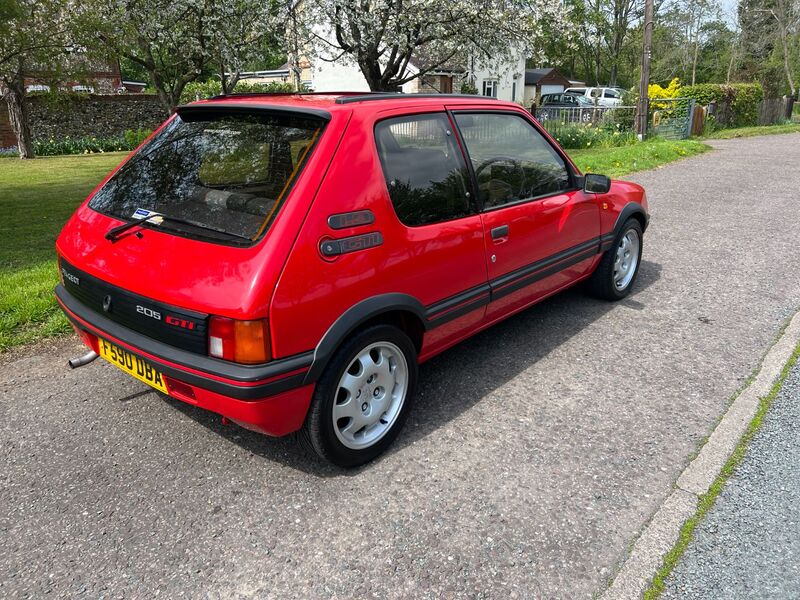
{"x": 270, "y": 398}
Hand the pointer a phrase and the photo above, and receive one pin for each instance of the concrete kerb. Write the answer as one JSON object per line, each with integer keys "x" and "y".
{"x": 661, "y": 533}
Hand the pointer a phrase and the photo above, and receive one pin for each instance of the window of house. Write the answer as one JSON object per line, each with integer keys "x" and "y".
{"x": 512, "y": 161}
{"x": 424, "y": 169}
{"x": 490, "y": 88}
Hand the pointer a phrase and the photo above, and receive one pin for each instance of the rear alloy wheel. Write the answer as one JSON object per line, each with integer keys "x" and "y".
{"x": 370, "y": 395}
{"x": 614, "y": 276}
{"x": 363, "y": 397}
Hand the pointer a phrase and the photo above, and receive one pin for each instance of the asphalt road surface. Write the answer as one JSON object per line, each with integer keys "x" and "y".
{"x": 534, "y": 455}
{"x": 748, "y": 545}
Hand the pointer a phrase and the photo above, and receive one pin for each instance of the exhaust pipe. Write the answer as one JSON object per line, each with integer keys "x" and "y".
{"x": 74, "y": 363}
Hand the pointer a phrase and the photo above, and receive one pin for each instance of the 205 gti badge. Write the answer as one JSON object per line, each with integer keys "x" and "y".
{"x": 148, "y": 312}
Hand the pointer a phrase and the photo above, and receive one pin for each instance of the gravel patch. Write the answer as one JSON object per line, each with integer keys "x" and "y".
{"x": 748, "y": 545}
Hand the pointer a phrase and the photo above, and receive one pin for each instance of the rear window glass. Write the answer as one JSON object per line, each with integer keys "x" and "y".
{"x": 220, "y": 176}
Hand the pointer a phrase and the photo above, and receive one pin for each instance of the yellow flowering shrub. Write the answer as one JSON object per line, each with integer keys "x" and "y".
{"x": 655, "y": 91}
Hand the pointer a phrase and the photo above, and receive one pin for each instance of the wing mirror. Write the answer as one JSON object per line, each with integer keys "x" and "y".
{"x": 596, "y": 184}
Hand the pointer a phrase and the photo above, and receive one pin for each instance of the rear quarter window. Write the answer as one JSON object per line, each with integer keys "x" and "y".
{"x": 424, "y": 169}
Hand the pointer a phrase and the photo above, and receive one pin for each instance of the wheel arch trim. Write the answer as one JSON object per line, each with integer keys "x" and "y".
{"x": 631, "y": 209}
{"x": 353, "y": 318}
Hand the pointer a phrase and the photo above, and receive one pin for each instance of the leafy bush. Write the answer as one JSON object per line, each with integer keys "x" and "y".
{"x": 630, "y": 97}
{"x": 737, "y": 103}
{"x": 213, "y": 87}
{"x": 745, "y": 103}
{"x": 571, "y": 137}
{"x": 133, "y": 138}
{"x": 90, "y": 145}
{"x": 469, "y": 88}
{"x": 706, "y": 93}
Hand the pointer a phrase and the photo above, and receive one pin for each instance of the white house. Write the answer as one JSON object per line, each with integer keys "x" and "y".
{"x": 329, "y": 71}
{"x": 503, "y": 79}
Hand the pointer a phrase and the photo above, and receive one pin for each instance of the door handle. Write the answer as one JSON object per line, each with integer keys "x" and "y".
{"x": 499, "y": 233}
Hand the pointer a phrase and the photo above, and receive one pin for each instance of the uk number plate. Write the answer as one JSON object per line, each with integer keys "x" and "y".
{"x": 132, "y": 365}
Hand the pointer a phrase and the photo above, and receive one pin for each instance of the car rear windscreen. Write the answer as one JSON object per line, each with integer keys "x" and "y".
{"x": 213, "y": 175}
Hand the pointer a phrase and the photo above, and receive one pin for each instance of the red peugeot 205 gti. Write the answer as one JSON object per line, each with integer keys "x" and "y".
{"x": 288, "y": 260}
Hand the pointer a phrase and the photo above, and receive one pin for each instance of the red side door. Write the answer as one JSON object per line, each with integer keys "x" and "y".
{"x": 541, "y": 233}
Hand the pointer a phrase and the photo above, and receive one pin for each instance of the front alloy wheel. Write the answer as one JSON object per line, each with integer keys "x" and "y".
{"x": 626, "y": 259}
{"x": 615, "y": 274}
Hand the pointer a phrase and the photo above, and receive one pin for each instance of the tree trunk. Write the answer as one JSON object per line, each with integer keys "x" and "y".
{"x": 730, "y": 64}
{"x": 786, "y": 65}
{"x": 224, "y": 79}
{"x": 18, "y": 115}
{"x": 694, "y": 59}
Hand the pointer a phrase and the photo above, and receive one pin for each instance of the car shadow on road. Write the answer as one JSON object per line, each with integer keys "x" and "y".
{"x": 491, "y": 358}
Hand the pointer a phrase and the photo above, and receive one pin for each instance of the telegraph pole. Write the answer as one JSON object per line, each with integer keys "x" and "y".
{"x": 642, "y": 108}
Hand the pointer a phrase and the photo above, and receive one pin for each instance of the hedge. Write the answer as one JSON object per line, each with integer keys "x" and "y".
{"x": 213, "y": 87}
{"x": 737, "y": 103}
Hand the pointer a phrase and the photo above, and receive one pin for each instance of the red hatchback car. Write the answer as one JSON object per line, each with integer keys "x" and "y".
{"x": 288, "y": 260}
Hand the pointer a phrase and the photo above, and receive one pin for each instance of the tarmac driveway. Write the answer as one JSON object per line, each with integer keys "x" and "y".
{"x": 534, "y": 455}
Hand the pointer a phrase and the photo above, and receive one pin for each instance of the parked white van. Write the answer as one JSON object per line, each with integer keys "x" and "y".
{"x": 602, "y": 96}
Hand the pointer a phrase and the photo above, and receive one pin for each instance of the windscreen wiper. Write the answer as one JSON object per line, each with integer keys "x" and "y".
{"x": 114, "y": 233}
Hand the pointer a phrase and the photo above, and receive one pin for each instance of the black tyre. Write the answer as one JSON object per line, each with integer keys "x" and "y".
{"x": 363, "y": 397}
{"x": 616, "y": 273}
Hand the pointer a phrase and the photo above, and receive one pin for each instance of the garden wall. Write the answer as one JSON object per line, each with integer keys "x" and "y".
{"x": 81, "y": 115}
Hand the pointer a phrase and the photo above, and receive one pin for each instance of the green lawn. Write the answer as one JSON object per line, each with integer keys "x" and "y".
{"x": 36, "y": 198}
{"x": 618, "y": 162}
{"x": 726, "y": 134}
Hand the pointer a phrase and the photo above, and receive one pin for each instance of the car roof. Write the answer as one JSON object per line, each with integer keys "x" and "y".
{"x": 329, "y": 102}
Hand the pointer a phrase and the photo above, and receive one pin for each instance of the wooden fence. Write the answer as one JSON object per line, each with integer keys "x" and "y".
{"x": 776, "y": 110}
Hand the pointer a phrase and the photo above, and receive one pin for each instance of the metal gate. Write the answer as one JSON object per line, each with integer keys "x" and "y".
{"x": 670, "y": 118}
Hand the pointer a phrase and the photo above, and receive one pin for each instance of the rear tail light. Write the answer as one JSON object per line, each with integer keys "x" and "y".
{"x": 239, "y": 341}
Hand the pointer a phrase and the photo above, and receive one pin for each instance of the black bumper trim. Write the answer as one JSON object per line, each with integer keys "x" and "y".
{"x": 237, "y": 373}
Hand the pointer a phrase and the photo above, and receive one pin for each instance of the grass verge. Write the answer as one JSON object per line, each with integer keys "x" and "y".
{"x": 36, "y": 198}
{"x": 617, "y": 162}
{"x": 727, "y": 134}
{"x": 707, "y": 500}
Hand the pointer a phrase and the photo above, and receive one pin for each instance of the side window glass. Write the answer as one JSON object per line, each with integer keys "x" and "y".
{"x": 512, "y": 160}
{"x": 424, "y": 169}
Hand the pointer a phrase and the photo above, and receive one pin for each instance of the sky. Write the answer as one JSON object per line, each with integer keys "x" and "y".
{"x": 729, "y": 10}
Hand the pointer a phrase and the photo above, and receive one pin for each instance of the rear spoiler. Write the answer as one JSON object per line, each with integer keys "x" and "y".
{"x": 214, "y": 110}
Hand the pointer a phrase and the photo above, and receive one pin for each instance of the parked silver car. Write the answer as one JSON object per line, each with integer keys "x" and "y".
{"x": 601, "y": 96}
